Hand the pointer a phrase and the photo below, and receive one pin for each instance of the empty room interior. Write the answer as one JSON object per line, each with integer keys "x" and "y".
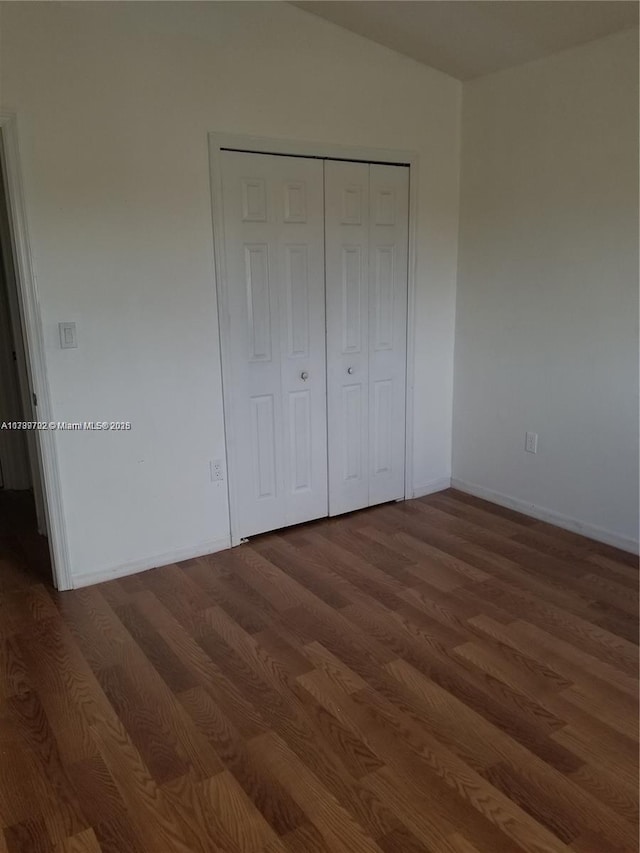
{"x": 319, "y": 426}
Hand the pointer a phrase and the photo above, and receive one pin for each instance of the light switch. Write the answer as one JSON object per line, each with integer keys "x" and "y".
{"x": 68, "y": 339}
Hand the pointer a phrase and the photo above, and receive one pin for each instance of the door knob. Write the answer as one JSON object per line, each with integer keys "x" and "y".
{"x": 349, "y": 370}
{"x": 304, "y": 376}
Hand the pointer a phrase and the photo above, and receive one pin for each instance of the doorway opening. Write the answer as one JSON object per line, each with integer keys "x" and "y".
{"x": 23, "y": 525}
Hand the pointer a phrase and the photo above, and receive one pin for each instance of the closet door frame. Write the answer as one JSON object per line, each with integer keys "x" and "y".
{"x": 262, "y": 145}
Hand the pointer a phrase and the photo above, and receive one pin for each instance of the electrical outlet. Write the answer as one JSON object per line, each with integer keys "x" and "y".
{"x": 217, "y": 471}
{"x": 531, "y": 442}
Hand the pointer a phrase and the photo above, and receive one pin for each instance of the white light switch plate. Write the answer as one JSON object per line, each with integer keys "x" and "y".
{"x": 68, "y": 338}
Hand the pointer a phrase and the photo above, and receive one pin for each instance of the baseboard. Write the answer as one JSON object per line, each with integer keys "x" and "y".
{"x": 135, "y": 566}
{"x": 591, "y": 531}
{"x": 431, "y": 487}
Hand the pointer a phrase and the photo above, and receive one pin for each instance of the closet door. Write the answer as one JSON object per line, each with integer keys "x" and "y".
{"x": 347, "y": 276}
{"x": 388, "y": 247}
{"x": 366, "y": 232}
{"x": 275, "y": 372}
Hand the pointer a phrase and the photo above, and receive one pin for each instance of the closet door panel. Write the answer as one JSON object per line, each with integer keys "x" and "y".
{"x": 347, "y": 285}
{"x": 300, "y": 244}
{"x": 388, "y": 245}
{"x": 275, "y": 372}
{"x": 383, "y": 409}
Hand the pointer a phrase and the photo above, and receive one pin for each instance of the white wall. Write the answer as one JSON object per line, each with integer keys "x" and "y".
{"x": 114, "y": 104}
{"x": 547, "y": 300}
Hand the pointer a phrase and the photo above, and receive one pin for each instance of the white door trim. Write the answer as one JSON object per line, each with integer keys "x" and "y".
{"x": 34, "y": 344}
{"x": 266, "y": 145}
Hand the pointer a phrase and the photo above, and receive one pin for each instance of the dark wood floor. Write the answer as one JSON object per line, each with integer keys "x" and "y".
{"x": 441, "y": 675}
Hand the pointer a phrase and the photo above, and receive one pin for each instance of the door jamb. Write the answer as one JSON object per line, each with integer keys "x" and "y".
{"x": 265, "y": 145}
{"x": 34, "y": 346}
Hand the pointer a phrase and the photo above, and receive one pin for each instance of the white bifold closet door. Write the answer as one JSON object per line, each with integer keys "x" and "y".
{"x": 314, "y": 410}
{"x": 366, "y": 236}
{"x": 275, "y": 370}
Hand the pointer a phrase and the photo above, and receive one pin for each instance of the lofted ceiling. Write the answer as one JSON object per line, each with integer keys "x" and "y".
{"x": 469, "y": 38}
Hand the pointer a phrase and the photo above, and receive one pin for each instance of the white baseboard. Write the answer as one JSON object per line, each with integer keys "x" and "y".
{"x": 591, "y": 531}
{"x": 431, "y": 487}
{"x": 135, "y": 566}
